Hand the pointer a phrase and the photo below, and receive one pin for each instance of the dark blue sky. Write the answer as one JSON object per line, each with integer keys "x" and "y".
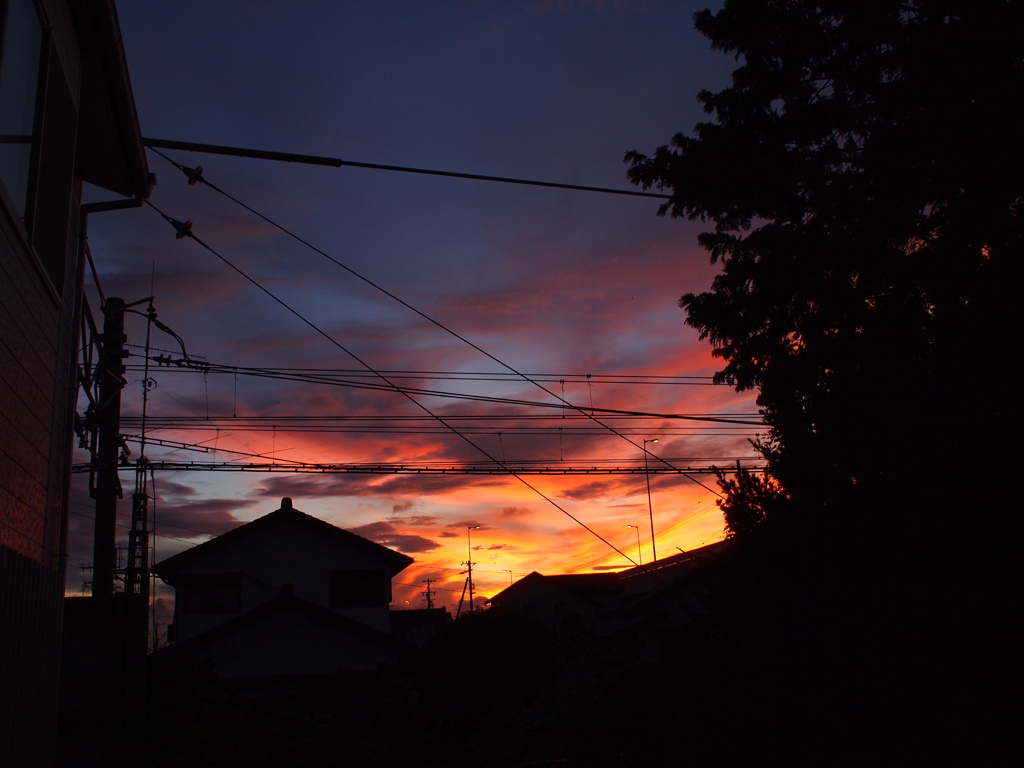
{"x": 549, "y": 280}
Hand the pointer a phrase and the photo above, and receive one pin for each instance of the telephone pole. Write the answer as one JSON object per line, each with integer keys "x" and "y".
{"x": 108, "y": 417}
{"x": 469, "y": 563}
{"x": 429, "y": 593}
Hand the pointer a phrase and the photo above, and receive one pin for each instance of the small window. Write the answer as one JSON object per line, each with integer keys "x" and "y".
{"x": 360, "y": 589}
{"x": 21, "y": 45}
{"x": 212, "y": 593}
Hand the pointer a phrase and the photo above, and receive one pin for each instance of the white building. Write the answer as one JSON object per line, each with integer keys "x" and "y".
{"x": 285, "y": 594}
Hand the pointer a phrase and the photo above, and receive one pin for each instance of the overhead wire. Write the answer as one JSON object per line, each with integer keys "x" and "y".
{"x": 327, "y": 374}
{"x": 334, "y": 162}
{"x": 170, "y": 419}
{"x": 580, "y": 378}
{"x": 195, "y": 175}
{"x": 392, "y": 387}
{"x": 183, "y": 229}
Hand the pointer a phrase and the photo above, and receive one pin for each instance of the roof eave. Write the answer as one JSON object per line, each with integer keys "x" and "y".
{"x": 110, "y": 150}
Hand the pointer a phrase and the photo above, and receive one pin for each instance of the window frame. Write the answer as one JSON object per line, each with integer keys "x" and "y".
{"x": 39, "y": 104}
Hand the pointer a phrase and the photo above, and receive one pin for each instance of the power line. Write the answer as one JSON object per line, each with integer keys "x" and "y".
{"x": 499, "y": 467}
{"x": 170, "y": 421}
{"x": 184, "y": 229}
{"x": 196, "y": 174}
{"x": 333, "y": 162}
{"x": 482, "y": 376}
{"x": 390, "y": 386}
{"x": 426, "y": 430}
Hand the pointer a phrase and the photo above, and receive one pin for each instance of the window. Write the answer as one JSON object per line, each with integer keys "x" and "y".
{"x": 360, "y": 589}
{"x": 211, "y": 593}
{"x": 21, "y": 45}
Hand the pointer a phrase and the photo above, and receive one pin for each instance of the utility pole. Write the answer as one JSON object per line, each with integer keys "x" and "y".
{"x": 650, "y": 506}
{"x": 108, "y": 485}
{"x": 469, "y": 564}
{"x": 429, "y": 593}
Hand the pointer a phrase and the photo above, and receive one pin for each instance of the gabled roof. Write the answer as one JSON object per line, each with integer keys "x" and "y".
{"x": 653, "y": 576}
{"x": 666, "y": 565}
{"x": 581, "y": 584}
{"x": 286, "y": 516}
{"x": 586, "y": 583}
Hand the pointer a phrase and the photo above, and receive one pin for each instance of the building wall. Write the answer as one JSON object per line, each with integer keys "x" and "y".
{"x": 292, "y": 644}
{"x": 289, "y": 556}
{"x": 37, "y": 314}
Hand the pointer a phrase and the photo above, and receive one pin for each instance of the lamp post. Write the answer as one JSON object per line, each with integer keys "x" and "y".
{"x": 639, "y": 552}
{"x": 650, "y": 506}
{"x": 469, "y": 562}
{"x": 506, "y": 570}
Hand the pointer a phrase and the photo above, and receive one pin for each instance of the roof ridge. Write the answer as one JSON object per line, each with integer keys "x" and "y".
{"x": 169, "y": 568}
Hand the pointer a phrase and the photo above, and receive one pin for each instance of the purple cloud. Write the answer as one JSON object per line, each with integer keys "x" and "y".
{"x": 515, "y": 512}
{"x": 468, "y": 524}
{"x": 415, "y": 520}
{"x": 386, "y": 534}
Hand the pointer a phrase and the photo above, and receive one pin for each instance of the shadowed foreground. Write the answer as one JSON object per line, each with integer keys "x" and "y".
{"x": 810, "y": 660}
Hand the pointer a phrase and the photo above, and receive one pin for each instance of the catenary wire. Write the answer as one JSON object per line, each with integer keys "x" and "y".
{"x": 186, "y": 229}
{"x": 333, "y": 162}
{"x": 195, "y": 174}
{"x": 392, "y": 387}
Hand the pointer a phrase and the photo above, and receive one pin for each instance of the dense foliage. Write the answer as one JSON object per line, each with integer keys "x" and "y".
{"x": 865, "y": 178}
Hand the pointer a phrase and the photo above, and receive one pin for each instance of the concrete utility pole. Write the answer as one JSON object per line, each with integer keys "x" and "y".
{"x": 108, "y": 485}
{"x": 650, "y": 506}
{"x": 469, "y": 563}
{"x": 429, "y": 593}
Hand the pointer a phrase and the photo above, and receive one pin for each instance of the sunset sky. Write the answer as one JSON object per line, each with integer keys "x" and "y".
{"x": 551, "y": 282}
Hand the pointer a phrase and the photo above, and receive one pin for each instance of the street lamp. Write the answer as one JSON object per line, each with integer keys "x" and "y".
{"x": 639, "y": 553}
{"x": 506, "y": 570}
{"x": 650, "y": 507}
{"x": 469, "y": 562}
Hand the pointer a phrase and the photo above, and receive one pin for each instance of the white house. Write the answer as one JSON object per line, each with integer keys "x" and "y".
{"x": 284, "y": 594}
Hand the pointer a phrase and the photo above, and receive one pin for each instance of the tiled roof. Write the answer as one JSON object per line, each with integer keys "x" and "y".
{"x": 287, "y": 515}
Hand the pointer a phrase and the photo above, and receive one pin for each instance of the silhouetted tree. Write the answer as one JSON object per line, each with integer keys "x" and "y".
{"x": 749, "y": 498}
{"x": 865, "y": 177}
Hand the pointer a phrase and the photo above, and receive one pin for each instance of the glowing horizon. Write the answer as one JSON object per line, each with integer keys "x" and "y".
{"x": 549, "y": 281}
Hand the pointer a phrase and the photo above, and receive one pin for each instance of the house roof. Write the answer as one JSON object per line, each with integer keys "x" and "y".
{"x": 581, "y": 584}
{"x": 586, "y": 583}
{"x": 653, "y": 575}
{"x": 110, "y": 152}
{"x": 673, "y": 566}
{"x": 285, "y": 517}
